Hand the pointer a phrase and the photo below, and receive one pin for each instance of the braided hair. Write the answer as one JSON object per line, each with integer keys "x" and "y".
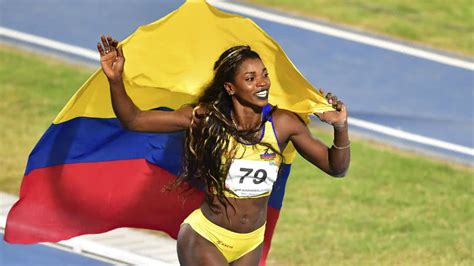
{"x": 208, "y": 138}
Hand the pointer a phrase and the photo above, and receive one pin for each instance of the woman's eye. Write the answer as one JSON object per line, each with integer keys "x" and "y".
{"x": 249, "y": 79}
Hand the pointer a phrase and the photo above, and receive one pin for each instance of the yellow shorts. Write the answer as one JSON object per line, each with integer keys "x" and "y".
{"x": 231, "y": 244}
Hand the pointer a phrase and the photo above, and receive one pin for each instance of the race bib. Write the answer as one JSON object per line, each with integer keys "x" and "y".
{"x": 248, "y": 178}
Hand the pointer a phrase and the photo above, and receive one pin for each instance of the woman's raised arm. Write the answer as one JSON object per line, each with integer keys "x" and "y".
{"x": 131, "y": 117}
{"x": 332, "y": 160}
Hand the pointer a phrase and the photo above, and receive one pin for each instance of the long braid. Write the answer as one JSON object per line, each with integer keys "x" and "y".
{"x": 208, "y": 138}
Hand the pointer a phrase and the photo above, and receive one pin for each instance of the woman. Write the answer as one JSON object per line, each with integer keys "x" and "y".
{"x": 233, "y": 150}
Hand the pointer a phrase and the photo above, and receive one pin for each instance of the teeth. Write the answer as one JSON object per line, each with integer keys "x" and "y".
{"x": 262, "y": 93}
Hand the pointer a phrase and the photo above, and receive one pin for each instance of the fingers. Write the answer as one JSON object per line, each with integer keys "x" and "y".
{"x": 332, "y": 99}
{"x": 103, "y": 47}
{"x": 119, "y": 51}
{"x": 100, "y": 49}
{"x": 111, "y": 43}
{"x": 339, "y": 105}
{"x": 107, "y": 45}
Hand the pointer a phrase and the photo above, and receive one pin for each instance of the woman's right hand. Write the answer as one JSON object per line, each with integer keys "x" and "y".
{"x": 111, "y": 58}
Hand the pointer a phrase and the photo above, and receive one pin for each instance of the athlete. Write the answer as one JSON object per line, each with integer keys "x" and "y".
{"x": 233, "y": 150}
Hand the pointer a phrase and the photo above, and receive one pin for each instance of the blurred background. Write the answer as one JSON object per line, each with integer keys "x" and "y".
{"x": 403, "y": 68}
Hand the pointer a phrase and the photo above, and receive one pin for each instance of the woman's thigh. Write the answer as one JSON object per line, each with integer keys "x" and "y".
{"x": 250, "y": 259}
{"x": 193, "y": 249}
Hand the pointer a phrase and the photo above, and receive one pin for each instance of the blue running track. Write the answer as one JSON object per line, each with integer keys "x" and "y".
{"x": 41, "y": 255}
{"x": 380, "y": 86}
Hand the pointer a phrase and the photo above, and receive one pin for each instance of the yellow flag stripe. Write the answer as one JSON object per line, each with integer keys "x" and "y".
{"x": 169, "y": 61}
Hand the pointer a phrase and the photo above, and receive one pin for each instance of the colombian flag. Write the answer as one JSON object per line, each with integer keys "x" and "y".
{"x": 89, "y": 175}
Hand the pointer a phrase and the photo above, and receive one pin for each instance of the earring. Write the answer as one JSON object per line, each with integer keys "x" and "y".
{"x": 231, "y": 93}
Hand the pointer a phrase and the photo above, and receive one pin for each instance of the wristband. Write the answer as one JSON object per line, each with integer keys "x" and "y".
{"x": 341, "y": 148}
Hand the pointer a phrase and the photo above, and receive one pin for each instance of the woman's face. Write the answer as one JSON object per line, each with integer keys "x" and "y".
{"x": 251, "y": 83}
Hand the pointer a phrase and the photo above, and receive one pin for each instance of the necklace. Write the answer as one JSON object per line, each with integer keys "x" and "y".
{"x": 253, "y": 136}
{"x": 232, "y": 117}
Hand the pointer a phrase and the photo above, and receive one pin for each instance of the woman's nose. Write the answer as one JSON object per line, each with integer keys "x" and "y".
{"x": 262, "y": 82}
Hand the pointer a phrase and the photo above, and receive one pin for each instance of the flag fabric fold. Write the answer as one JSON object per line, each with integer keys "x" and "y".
{"x": 87, "y": 174}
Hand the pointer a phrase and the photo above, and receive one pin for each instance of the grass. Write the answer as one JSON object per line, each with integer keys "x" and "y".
{"x": 438, "y": 23}
{"x": 33, "y": 90}
{"x": 392, "y": 208}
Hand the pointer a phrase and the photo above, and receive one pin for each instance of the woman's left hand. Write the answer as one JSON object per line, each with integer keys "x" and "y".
{"x": 337, "y": 118}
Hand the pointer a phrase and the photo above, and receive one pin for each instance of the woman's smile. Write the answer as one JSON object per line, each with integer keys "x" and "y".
{"x": 262, "y": 94}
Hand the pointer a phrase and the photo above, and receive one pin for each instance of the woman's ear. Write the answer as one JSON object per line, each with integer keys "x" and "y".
{"x": 229, "y": 88}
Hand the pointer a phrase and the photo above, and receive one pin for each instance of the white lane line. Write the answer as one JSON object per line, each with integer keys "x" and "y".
{"x": 51, "y": 44}
{"x": 81, "y": 245}
{"x": 410, "y": 136}
{"x": 98, "y": 248}
{"x": 89, "y": 54}
{"x": 312, "y": 26}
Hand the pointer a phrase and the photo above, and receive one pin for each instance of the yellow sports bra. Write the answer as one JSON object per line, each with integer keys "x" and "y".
{"x": 254, "y": 168}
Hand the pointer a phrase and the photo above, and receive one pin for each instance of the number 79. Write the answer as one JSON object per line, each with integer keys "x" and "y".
{"x": 258, "y": 177}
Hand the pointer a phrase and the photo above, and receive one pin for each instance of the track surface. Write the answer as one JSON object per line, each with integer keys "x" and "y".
{"x": 385, "y": 87}
{"x": 41, "y": 255}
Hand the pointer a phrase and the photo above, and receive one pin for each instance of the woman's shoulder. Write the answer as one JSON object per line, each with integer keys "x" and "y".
{"x": 284, "y": 115}
{"x": 287, "y": 120}
{"x": 286, "y": 123}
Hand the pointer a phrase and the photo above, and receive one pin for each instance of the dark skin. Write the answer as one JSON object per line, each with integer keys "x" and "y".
{"x": 250, "y": 78}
